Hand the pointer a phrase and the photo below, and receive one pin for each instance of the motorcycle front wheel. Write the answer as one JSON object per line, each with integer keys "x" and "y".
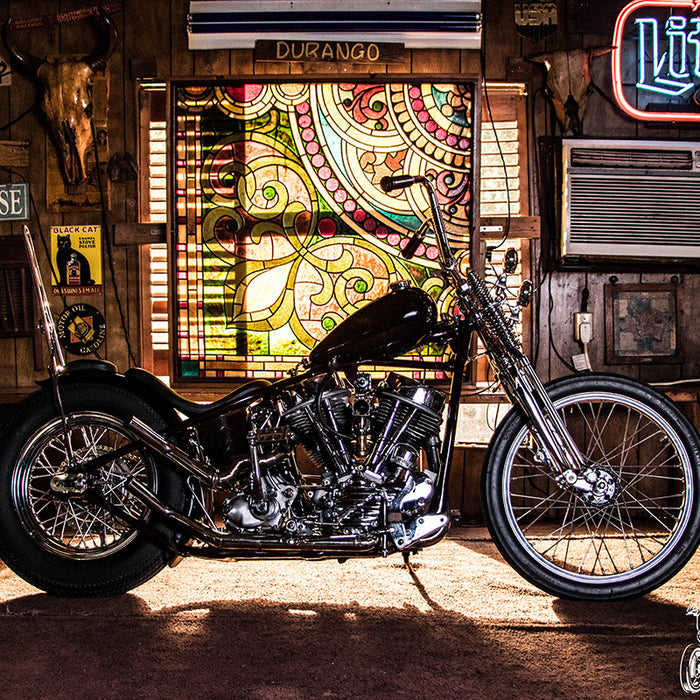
{"x": 616, "y": 547}
{"x": 60, "y": 528}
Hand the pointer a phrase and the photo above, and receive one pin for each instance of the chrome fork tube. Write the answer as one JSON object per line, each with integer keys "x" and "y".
{"x": 527, "y": 391}
{"x": 516, "y": 374}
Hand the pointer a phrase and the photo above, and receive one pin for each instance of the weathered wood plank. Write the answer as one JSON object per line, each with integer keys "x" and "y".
{"x": 138, "y": 234}
{"x": 435, "y": 61}
{"x": 492, "y": 227}
{"x": 14, "y": 154}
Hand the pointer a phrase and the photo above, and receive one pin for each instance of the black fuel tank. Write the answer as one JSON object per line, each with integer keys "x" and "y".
{"x": 386, "y": 327}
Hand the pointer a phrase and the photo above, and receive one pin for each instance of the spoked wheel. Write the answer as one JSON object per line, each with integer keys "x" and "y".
{"x": 73, "y": 531}
{"x": 59, "y": 506}
{"x": 639, "y": 522}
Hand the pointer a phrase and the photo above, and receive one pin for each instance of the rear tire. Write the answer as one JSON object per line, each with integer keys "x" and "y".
{"x": 52, "y": 532}
{"x": 620, "y": 548}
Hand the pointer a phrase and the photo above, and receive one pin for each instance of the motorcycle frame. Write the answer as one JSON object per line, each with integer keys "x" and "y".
{"x": 481, "y": 315}
{"x": 439, "y": 503}
{"x": 219, "y": 544}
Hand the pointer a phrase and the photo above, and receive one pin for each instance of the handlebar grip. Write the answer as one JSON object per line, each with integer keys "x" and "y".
{"x": 412, "y": 246}
{"x": 389, "y": 184}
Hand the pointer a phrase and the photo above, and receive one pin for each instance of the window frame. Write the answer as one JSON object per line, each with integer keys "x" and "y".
{"x": 505, "y": 102}
{"x": 472, "y": 247}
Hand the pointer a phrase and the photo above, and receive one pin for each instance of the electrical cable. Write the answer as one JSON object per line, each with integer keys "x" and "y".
{"x": 568, "y": 365}
{"x": 607, "y": 98}
{"x": 19, "y": 116}
{"x": 539, "y": 270}
{"x": 110, "y": 256}
{"x": 506, "y": 228}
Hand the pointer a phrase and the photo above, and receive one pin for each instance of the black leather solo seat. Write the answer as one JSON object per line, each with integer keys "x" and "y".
{"x": 184, "y": 405}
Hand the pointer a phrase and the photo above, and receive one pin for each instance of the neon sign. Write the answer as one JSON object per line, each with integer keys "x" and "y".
{"x": 656, "y": 60}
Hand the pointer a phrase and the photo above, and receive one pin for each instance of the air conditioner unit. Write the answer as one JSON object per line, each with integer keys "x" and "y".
{"x": 630, "y": 200}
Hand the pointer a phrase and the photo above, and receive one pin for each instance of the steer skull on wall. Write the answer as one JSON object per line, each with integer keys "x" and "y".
{"x": 67, "y": 93}
{"x": 568, "y": 82}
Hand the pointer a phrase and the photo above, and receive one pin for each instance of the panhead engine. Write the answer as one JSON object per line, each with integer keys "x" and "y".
{"x": 379, "y": 433}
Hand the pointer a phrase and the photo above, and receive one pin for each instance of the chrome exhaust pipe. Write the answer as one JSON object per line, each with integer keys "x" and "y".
{"x": 224, "y": 540}
{"x": 172, "y": 452}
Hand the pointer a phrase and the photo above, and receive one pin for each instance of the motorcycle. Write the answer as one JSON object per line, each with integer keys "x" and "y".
{"x": 590, "y": 484}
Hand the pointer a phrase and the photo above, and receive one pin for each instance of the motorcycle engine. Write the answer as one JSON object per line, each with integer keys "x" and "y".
{"x": 384, "y": 429}
{"x": 368, "y": 441}
{"x": 364, "y": 442}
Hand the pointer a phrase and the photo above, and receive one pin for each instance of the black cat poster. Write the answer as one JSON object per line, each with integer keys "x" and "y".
{"x": 76, "y": 254}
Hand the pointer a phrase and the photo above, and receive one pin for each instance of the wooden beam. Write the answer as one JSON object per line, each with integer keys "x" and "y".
{"x": 14, "y": 154}
{"x": 520, "y": 227}
{"x": 138, "y": 234}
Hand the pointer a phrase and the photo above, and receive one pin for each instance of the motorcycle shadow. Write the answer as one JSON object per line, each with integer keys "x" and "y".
{"x": 260, "y": 649}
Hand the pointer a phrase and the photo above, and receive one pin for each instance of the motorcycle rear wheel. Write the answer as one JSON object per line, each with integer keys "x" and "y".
{"x": 55, "y": 534}
{"x": 626, "y": 547}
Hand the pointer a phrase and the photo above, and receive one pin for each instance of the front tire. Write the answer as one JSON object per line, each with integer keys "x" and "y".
{"x": 619, "y": 549}
{"x": 54, "y": 532}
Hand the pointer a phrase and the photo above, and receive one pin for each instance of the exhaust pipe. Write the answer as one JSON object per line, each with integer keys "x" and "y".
{"x": 225, "y": 541}
{"x": 172, "y": 452}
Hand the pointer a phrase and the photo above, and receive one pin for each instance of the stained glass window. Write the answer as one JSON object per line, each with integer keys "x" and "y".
{"x": 281, "y": 228}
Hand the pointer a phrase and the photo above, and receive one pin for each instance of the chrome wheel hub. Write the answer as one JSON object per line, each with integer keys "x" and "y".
{"x": 595, "y": 486}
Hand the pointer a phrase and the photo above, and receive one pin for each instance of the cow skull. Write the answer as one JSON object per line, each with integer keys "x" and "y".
{"x": 67, "y": 94}
{"x": 568, "y": 81}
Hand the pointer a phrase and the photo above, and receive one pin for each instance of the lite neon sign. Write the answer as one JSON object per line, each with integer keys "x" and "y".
{"x": 666, "y": 51}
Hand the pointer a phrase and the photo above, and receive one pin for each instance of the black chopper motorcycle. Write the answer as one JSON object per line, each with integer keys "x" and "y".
{"x": 590, "y": 485}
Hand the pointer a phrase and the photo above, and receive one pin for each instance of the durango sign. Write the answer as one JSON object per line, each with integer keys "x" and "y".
{"x": 329, "y": 51}
{"x": 656, "y": 60}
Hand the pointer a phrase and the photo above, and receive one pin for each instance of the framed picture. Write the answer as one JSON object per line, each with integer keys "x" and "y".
{"x": 642, "y": 323}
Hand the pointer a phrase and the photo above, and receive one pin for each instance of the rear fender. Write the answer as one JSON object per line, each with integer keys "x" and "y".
{"x": 104, "y": 372}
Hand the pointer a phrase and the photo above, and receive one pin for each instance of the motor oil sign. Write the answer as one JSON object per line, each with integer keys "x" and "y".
{"x": 656, "y": 60}
{"x": 76, "y": 253}
{"x": 81, "y": 329}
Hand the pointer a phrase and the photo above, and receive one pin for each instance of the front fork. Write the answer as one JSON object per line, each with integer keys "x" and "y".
{"x": 594, "y": 484}
{"x": 525, "y": 389}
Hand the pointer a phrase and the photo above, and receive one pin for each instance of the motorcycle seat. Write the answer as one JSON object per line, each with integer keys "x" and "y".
{"x": 184, "y": 405}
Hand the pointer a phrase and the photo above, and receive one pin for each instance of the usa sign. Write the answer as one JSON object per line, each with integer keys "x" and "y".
{"x": 656, "y": 60}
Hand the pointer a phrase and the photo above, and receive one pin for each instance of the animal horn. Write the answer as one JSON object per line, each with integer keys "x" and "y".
{"x": 97, "y": 59}
{"x": 601, "y": 51}
{"x": 24, "y": 61}
{"x": 538, "y": 58}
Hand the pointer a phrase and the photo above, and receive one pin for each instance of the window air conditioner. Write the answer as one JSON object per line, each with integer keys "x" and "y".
{"x": 630, "y": 200}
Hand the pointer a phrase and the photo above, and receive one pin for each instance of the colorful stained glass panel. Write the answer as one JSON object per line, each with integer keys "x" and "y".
{"x": 281, "y": 228}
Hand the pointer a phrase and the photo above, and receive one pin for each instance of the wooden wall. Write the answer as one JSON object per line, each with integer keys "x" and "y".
{"x": 584, "y": 23}
{"x": 155, "y": 31}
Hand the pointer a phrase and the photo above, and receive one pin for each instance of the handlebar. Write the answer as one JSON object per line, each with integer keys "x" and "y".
{"x": 447, "y": 259}
{"x": 472, "y": 296}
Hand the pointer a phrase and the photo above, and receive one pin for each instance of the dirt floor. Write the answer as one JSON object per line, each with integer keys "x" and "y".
{"x": 462, "y": 624}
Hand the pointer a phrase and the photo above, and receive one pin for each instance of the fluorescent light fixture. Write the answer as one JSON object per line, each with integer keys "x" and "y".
{"x": 232, "y": 24}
